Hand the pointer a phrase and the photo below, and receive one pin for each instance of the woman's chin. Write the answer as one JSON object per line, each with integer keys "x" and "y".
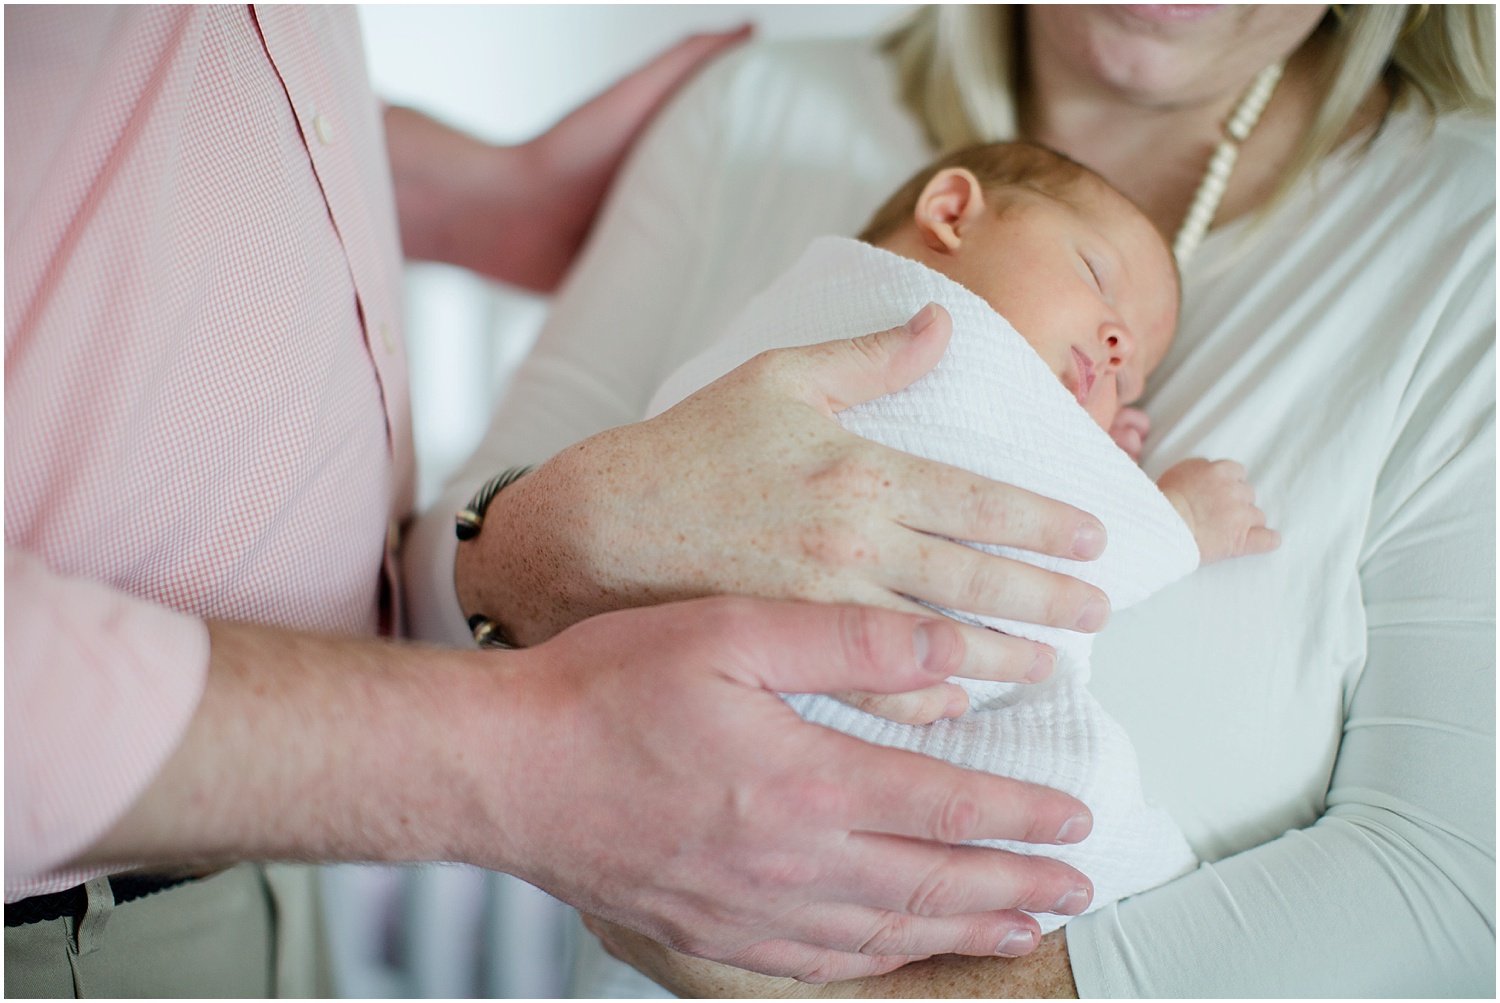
{"x": 1169, "y": 55}
{"x": 1150, "y": 58}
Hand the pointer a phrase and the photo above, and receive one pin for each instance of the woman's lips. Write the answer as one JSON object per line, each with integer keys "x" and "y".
{"x": 1170, "y": 13}
{"x": 1084, "y": 373}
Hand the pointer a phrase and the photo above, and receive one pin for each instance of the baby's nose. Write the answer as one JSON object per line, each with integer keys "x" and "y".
{"x": 1118, "y": 343}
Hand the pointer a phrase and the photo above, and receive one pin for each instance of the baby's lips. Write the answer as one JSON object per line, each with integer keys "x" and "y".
{"x": 1084, "y": 375}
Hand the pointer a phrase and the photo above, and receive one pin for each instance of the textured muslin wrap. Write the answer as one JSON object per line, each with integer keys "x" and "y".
{"x": 992, "y": 406}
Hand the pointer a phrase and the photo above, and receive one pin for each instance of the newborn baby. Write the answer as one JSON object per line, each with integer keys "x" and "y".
{"x": 1063, "y": 298}
{"x": 1089, "y": 284}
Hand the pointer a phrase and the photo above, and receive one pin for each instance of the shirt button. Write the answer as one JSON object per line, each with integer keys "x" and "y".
{"x": 386, "y": 339}
{"x": 324, "y": 129}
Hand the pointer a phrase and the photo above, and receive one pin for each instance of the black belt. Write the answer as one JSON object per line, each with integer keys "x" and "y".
{"x": 75, "y": 901}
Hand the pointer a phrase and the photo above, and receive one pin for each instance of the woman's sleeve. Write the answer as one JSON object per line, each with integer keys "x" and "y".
{"x": 600, "y": 356}
{"x": 1391, "y": 891}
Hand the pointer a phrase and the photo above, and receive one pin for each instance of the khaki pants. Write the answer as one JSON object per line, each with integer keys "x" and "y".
{"x": 251, "y": 931}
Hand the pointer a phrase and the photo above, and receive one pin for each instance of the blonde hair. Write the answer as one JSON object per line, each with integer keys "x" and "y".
{"x": 959, "y": 69}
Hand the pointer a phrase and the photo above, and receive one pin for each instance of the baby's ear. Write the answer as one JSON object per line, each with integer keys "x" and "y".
{"x": 949, "y": 203}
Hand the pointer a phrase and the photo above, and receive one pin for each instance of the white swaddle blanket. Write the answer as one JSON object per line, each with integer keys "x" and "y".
{"x": 992, "y": 406}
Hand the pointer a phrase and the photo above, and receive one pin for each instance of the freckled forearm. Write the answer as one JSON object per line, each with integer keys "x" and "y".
{"x": 1043, "y": 974}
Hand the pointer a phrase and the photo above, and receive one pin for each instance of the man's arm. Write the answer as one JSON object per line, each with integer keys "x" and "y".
{"x": 1042, "y": 974}
{"x": 520, "y": 213}
{"x": 99, "y": 687}
{"x": 639, "y": 765}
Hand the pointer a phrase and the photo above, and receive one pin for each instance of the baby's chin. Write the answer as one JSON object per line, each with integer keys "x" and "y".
{"x": 1104, "y": 415}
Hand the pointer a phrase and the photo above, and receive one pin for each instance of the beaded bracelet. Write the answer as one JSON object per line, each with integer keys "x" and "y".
{"x": 467, "y": 524}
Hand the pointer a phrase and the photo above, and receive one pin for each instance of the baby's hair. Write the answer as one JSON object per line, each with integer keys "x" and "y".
{"x": 999, "y": 167}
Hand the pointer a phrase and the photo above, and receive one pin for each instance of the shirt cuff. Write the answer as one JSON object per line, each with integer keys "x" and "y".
{"x": 99, "y": 689}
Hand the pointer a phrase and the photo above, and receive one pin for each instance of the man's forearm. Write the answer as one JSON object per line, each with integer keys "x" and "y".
{"x": 638, "y": 765}
{"x": 520, "y": 213}
{"x": 316, "y": 748}
{"x": 1043, "y": 974}
{"x": 458, "y": 200}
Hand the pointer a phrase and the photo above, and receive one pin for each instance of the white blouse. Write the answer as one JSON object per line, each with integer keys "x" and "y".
{"x": 1319, "y": 721}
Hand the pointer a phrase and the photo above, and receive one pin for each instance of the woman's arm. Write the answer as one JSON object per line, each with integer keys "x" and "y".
{"x": 1391, "y": 892}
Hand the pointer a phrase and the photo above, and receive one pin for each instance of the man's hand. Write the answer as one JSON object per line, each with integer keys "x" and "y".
{"x": 752, "y": 487}
{"x": 520, "y": 213}
{"x": 667, "y": 788}
{"x": 639, "y": 766}
{"x": 1219, "y": 506}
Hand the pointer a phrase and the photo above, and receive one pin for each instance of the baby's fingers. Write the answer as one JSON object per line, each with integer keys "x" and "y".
{"x": 1129, "y": 430}
{"x": 1261, "y": 540}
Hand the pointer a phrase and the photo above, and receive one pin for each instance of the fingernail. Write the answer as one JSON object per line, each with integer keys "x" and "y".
{"x": 933, "y": 642}
{"x": 1088, "y": 541}
{"x": 1016, "y": 943}
{"x": 1094, "y": 616}
{"x": 1073, "y": 903}
{"x": 923, "y": 320}
{"x": 1042, "y": 665}
{"x": 1075, "y": 828}
{"x": 958, "y": 705}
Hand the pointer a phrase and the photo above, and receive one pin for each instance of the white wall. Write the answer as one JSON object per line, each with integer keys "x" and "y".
{"x": 504, "y": 73}
{"x": 507, "y": 71}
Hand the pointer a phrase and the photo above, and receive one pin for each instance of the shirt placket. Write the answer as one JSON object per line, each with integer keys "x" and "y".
{"x": 326, "y": 93}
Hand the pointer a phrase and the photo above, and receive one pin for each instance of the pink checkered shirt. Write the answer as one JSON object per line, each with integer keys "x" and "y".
{"x": 206, "y": 412}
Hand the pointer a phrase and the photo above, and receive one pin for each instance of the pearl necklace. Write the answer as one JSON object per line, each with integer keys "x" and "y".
{"x": 1210, "y": 192}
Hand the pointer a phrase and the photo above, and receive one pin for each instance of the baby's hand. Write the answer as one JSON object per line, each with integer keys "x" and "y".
{"x": 1219, "y": 507}
{"x": 1129, "y": 430}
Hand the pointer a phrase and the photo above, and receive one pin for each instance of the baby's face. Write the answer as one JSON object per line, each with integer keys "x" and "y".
{"x": 1091, "y": 287}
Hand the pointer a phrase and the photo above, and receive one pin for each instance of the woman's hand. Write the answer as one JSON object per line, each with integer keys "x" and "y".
{"x": 1043, "y": 974}
{"x": 751, "y": 487}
